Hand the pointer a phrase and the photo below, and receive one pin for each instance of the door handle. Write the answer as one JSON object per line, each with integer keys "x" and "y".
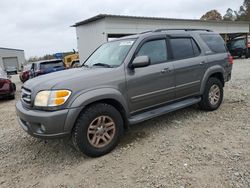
{"x": 202, "y": 63}
{"x": 165, "y": 70}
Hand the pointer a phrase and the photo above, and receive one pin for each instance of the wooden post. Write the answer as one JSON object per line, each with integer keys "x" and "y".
{"x": 246, "y": 46}
{"x": 225, "y": 37}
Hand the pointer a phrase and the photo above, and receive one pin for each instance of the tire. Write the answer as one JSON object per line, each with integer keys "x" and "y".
{"x": 93, "y": 123}
{"x": 206, "y": 103}
{"x": 11, "y": 97}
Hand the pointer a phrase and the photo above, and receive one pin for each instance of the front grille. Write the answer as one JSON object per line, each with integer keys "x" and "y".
{"x": 26, "y": 95}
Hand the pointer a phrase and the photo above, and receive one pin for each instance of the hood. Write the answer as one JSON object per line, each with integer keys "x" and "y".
{"x": 64, "y": 78}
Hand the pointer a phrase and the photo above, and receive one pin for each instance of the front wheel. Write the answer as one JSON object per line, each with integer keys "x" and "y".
{"x": 98, "y": 130}
{"x": 213, "y": 95}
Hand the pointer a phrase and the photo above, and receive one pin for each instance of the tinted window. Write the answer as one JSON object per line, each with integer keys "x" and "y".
{"x": 214, "y": 42}
{"x": 240, "y": 43}
{"x": 52, "y": 64}
{"x": 111, "y": 53}
{"x": 184, "y": 48}
{"x": 156, "y": 50}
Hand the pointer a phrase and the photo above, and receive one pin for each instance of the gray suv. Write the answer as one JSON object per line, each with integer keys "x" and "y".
{"x": 124, "y": 82}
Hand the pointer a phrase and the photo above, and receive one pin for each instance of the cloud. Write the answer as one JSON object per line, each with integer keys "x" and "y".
{"x": 43, "y": 26}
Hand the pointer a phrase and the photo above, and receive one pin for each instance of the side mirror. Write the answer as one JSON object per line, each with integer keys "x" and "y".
{"x": 140, "y": 61}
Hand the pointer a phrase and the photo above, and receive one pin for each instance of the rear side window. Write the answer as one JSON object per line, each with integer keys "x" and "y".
{"x": 184, "y": 48}
{"x": 156, "y": 50}
{"x": 214, "y": 42}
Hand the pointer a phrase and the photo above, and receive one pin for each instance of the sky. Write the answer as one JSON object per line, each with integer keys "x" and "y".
{"x": 43, "y": 26}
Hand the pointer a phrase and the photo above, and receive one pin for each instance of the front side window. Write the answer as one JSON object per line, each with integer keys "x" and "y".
{"x": 184, "y": 48}
{"x": 156, "y": 50}
{"x": 111, "y": 54}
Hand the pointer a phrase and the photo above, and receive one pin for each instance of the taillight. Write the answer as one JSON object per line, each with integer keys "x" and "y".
{"x": 230, "y": 59}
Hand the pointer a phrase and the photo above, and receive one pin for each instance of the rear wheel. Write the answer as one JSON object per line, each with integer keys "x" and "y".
{"x": 98, "y": 130}
{"x": 213, "y": 95}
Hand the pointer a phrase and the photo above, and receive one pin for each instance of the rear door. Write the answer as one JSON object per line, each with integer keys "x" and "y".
{"x": 189, "y": 65}
{"x": 152, "y": 85}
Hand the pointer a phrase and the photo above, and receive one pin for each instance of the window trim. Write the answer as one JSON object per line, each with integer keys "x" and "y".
{"x": 148, "y": 39}
{"x": 185, "y": 37}
{"x": 197, "y": 46}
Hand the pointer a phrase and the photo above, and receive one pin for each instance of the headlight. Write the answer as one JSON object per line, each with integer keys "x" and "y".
{"x": 51, "y": 98}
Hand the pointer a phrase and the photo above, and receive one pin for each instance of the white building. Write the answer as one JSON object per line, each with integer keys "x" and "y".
{"x": 94, "y": 31}
{"x": 11, "y": 58}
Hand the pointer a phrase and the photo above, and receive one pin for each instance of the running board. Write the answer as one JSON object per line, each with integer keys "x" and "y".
{"x": 163, "y": 110}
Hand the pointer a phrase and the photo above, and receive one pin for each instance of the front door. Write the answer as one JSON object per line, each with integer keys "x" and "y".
{"x": 152, "y": 85}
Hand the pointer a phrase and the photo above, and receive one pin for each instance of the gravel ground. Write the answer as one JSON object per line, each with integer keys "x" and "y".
{"x": 187, "y": 148}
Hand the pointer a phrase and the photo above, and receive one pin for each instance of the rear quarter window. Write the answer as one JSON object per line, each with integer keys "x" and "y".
{"x": 215, "y": 43}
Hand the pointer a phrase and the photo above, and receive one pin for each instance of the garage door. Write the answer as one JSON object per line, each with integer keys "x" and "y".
{"x": 10, "y": 62}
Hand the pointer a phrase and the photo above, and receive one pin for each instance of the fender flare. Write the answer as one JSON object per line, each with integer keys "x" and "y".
{"x": 88, "y": 97}
{"x": 210, "y": 71}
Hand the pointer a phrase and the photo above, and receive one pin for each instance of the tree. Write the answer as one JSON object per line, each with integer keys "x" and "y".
{"x": 241, "y": 14}
{"x": 246, "y": 5}
{"x": 212, "y": 15}
{"x": 229, "y": 16}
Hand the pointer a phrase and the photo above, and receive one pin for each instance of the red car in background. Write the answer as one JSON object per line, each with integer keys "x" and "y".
{"x": 7, "y": 88}
{"x": 25, "y": 74}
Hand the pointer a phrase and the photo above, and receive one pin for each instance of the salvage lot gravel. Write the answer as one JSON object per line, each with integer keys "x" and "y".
{"x": 187, "y": 148}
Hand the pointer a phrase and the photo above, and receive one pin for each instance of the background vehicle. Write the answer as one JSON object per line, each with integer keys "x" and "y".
{"x": 237, "y": 47}
{"x": 126, "y": 81}
{"x": 25, "y": 73}
{"x": 7, "y": 88}
{"x": 70, "y": 60}
{"x": 11, "y": 70}
{"x": 76, "y": 63}
{"x": 45, "y": 67}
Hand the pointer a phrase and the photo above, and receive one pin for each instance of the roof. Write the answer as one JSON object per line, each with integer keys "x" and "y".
{"x": 102, "y": 16}
{"x": 1, "y": 48}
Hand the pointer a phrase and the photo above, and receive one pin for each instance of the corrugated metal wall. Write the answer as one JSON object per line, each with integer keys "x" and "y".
{"x": 91, "y": 35}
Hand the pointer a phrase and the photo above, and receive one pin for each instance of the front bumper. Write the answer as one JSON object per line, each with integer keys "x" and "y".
{"x": 43, "y": 124}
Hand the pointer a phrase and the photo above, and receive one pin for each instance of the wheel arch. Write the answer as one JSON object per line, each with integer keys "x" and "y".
{"x": 215, "y": 71}
{"x": 87, "y": 99}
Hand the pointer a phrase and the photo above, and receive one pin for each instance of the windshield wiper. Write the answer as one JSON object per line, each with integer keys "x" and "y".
{"x": 103, "y": 65}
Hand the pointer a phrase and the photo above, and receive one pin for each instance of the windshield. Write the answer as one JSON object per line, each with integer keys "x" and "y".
{"x": 51, "y": 64}
{"x": 111, "y": 54}
{"x": 27, "y": 67}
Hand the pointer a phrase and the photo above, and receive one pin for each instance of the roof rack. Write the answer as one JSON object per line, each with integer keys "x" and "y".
{"x": 183, "y": 29}
{"x": 149, "y": 31}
